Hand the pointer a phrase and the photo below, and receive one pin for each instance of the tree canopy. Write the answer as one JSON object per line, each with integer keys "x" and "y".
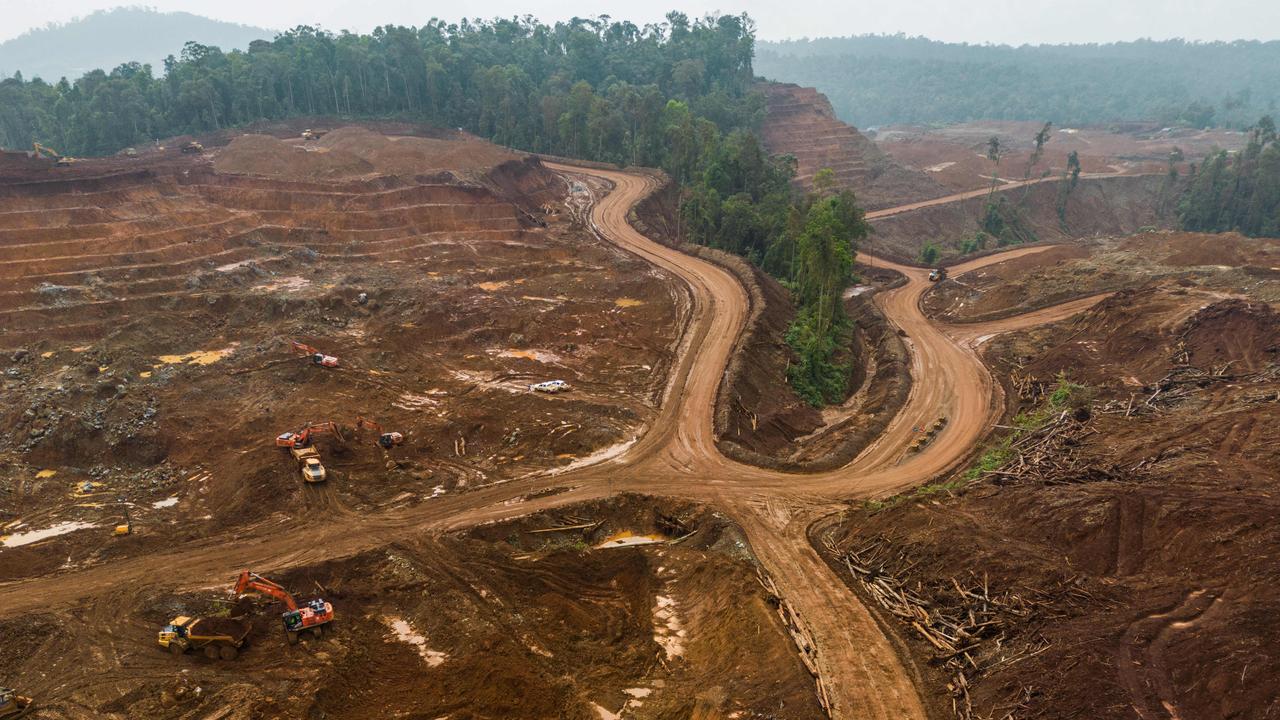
{"x": 1239, "y": 192}
{"x": 588, "y": 87}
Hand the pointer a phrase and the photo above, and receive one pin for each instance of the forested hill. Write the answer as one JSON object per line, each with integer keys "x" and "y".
{"x": 882, "y": 79}
{"x": 108, "y": 38}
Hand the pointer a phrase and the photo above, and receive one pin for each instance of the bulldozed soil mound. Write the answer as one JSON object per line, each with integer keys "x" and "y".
{"x": 799, "y": 122}
{"x": 1238, "y": 335}
{"x": 413, "y": 155}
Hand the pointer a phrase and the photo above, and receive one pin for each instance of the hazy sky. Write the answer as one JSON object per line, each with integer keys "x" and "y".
{"x": 998, "y": 21}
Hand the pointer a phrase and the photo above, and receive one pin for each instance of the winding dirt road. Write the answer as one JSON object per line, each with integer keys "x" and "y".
{"x": 862, "y": 674}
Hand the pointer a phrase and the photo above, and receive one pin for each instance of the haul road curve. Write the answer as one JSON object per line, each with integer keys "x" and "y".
{"x": 861, "y": 673}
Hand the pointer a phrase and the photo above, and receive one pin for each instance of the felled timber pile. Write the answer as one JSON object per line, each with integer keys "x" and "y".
{"x": 970, "y": 627}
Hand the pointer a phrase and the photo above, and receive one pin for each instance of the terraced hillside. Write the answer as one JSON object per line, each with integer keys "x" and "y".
{"x": 148, "y": 305}
{"x": 800, "y": 122}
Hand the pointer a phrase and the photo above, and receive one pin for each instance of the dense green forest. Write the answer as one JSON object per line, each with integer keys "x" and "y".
{"x": 1239, "y": 191}
{"x": 676, "y": 95}
{"x": 587, "y": 88}
{"x": 882, "y": 79}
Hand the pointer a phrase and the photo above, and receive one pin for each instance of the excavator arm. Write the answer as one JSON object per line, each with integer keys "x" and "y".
{"x": 317, "y": 357}
{"x": 386, "y": 439}
{"x": 255, "y": 582}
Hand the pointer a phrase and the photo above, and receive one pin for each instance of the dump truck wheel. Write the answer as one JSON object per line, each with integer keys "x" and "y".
{"x": 228, "y": 652}
{"x": 176, "y": 649}
{"x": 317, "y": 632}
{"x": 293, "y": 637}
{"x": 211, "y": 652}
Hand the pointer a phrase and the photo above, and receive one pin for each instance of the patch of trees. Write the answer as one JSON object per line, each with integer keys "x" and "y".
{"x": 883, "y": 79}
{"x": 591, "y": 88}
{"x": 1240, "y": 191}
{"x": 742, "y": 202}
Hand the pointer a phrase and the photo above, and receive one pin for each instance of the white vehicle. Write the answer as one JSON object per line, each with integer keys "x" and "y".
{"x": 551, "y": 386}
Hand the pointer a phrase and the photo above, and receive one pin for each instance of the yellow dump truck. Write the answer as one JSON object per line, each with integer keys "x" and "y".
{"x": 216, "y": 637}
{"x": 309, "y": 461}
{"x": 13, "y": 705}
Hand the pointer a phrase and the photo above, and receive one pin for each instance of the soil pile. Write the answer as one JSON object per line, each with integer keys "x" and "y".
{"x": 1235, "y": 335}
{"x": 415, "y": 155}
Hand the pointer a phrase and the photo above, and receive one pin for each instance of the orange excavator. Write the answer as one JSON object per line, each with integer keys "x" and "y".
{"x": 303, "y": 437}
{"x": 317, "y": 357}
{"x": 386, "y": 440}
{"x": 310, "y": 617}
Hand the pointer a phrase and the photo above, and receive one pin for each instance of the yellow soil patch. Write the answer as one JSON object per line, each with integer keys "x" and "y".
{"x": 541, "y": 356}
{"x": 46, "y": 473}
{"x": 199, "y": 357}
{"x": 46, "y": 355}
{"x": 145, "y": 374}
{"x": 627, "y": 302}
{"x": 493, "y": 285}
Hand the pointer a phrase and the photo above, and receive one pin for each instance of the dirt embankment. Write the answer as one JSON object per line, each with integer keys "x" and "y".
{"x": 634, "y": 606}
{"x": 1129, "y": 550}
{"x": 1098, "y": 206}
{"x": 759, "y": 418}
{"x": 799, "y": 122}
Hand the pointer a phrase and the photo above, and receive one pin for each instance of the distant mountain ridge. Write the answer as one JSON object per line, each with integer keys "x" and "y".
{"x": 108, "y": 38}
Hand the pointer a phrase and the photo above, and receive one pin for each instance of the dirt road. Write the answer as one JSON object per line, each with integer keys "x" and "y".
{"x": 863, "y": 675}
{"x": 970, "y": 194}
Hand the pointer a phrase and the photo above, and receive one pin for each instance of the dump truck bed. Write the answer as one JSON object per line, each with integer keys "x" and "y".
{"x": 207, "y": 628}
